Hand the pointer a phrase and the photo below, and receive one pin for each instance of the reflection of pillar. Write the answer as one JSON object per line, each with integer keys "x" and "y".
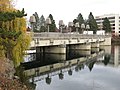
{"x": 95, "y": 49}
{"x": 106, "y": 42}
{"x": 116, "y": 56}
{"x": 55, "y": 57}
{"x": 107, "y": 49}
{"x": 95, "y": 45}
{"x": 48, "y": 28}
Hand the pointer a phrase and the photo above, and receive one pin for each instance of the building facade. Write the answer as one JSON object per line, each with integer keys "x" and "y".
{"x": 114, "y": 22}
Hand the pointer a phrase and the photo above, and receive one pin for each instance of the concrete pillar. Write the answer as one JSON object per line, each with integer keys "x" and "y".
{"x": 81, "y": 52}
{"x": 95, "y": 45}
{"x": 61, "y": 49}
{"x": 107, "y": 49}
{"x": 107, "y": 42}
{"x": 95, "y": 50}
{"x": 86, "y": 46}
{"x": 39, "y": 49}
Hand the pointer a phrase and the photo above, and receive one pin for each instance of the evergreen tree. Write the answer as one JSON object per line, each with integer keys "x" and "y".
{"x": 36, "y": 27}
{"x": 80, "y": 20}
{"x": 106, "y": 25}
{"x": 92, "y": 23}
{"x": 52, "y": 25}
{"x": 42, "y": 24}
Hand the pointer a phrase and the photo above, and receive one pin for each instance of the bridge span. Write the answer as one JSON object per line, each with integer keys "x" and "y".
{"x": 60, "y": 42}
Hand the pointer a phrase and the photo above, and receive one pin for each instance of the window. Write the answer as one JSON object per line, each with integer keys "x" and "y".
{"x": 113, "y": 28}
{"x": 111, "y": 17}
{"x": 113, "y": 21}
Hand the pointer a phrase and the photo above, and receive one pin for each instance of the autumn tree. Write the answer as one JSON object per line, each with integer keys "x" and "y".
{"x": 13, "y": 38}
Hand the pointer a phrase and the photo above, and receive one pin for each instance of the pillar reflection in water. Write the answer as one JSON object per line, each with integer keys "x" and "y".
{"x": 116, "y": 55}
{"x": 95, "y": 50}
{"x": 78, "y": 53}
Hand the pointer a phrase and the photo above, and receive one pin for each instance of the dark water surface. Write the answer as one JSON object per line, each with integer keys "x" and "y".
{"x": 101, "y": 73}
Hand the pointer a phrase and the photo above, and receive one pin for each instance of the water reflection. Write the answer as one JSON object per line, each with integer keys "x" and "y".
{"x": 48, "y": 79}
{"x": 106, "y": 59}
{"x": 61, "y": 75}
{"x": 90, "y": 65}
{"x": 51, "y": 66}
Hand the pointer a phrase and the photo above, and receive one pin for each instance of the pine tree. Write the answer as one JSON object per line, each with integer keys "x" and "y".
{"x": 52, "y": 25}
{"x": 106, "y": 25}
{"x": 42, "y": 24}
{"x": 36, "y": 27}
{"x": 80, "y": 20}
{"x": 92, "y": 23}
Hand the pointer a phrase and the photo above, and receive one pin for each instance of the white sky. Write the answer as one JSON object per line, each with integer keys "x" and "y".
{"x": 67, "y": 10}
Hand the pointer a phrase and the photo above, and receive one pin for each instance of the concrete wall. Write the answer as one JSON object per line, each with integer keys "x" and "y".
{"x": 107, "y": 42}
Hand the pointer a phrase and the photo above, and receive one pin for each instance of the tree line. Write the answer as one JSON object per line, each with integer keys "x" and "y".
{"x": 40, "y": 25}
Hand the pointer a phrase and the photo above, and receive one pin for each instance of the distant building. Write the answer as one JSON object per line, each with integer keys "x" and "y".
{"x": 114, "y": 22}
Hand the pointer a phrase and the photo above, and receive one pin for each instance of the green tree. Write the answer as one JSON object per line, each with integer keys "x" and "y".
{"x": 106, "y": 25}
{"x": 42, "y": 24}
{"x": 80, "y": 19}
{"x": 52, "y": 25}
{"x": 92, "y": 23}
{"x": 37, "y": 23}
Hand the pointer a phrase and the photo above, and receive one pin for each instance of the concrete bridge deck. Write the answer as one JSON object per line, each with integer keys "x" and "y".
{"x": 50, "y": 39}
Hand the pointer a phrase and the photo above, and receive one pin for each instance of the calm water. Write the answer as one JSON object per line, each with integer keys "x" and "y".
{"x": 67, "y": 72}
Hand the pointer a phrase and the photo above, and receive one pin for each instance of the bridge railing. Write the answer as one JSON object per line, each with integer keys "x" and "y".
{"x": 66, "y": 35}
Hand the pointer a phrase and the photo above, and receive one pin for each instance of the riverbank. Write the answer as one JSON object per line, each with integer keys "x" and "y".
{"x": 7, "y": 79}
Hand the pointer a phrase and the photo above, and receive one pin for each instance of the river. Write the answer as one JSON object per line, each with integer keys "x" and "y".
{"x": 97, "y": 69}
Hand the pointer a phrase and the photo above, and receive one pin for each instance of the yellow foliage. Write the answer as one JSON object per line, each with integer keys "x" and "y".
{"x": 18, "y": 24}
{"x": 19, "y": 49}
{"x": 5, "y": 5}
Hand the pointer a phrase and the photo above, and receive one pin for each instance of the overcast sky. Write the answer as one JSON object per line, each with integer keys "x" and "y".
{"x": 67, "y": 10}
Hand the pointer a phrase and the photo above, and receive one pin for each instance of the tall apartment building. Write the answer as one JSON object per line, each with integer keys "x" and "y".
{"x": 114, "y": 22}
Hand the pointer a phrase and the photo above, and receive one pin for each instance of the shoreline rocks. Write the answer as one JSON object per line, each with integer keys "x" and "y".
{"x": 7, "y": 78}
